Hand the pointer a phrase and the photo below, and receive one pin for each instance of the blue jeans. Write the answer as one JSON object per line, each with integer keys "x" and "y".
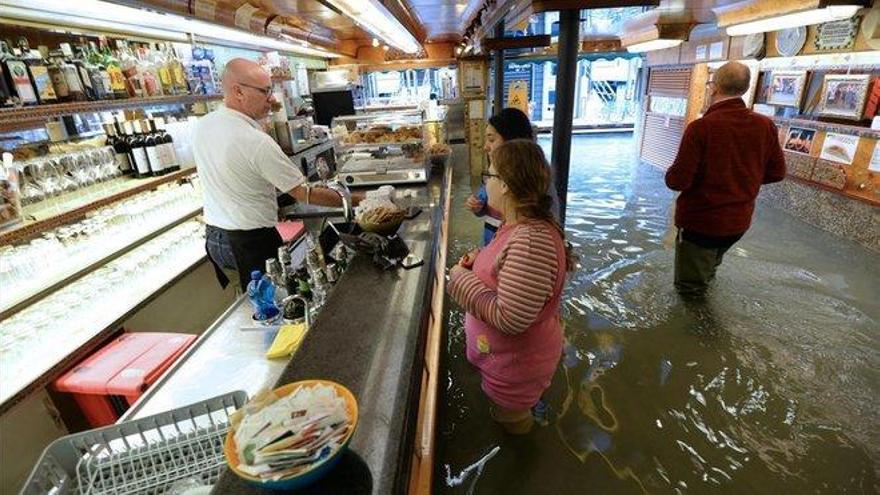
{"x": 218, "y": 247}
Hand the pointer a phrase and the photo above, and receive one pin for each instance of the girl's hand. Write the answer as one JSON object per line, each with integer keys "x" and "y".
{"x": 467, "y": 261}
{"x": 474, "y": 204}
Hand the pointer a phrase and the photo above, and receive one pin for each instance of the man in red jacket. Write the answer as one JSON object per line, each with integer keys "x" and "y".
{"x": 723, "y": 160}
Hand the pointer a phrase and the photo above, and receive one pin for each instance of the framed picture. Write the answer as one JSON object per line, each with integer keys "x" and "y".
{"x": 786, "y": 88}
{"x": 800, "y": 140}
{"x": 843, "y": 95}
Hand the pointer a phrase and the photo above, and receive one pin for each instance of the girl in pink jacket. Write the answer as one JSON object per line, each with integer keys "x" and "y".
{"x": 511, "y": 288}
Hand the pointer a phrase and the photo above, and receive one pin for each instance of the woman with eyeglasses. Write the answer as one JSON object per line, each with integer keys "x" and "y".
{"x": 511, "y": 288}
{"x": 509, "y": 123}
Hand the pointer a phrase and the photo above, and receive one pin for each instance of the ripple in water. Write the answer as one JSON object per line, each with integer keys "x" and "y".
{"x": 771, "y": 386}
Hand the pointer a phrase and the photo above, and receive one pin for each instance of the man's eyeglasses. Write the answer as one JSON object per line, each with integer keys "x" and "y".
{"x": 485, "y": 177}
{"x": 266, "y": 91}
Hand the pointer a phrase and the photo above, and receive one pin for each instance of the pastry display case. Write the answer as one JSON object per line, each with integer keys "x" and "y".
{"x": 386, "y": 148}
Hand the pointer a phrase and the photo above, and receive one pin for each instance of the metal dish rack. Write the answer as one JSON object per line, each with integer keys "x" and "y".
{"x": 144, "y": 456}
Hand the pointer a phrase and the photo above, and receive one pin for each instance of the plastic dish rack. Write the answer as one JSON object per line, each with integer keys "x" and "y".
{"x": 143, "y": 456}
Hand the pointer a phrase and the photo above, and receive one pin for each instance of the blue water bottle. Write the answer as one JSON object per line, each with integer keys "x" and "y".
{"x": 261, "y": 292}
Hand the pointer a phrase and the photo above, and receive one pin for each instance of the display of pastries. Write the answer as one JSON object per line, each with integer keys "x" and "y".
{"x": 385, "y": 134}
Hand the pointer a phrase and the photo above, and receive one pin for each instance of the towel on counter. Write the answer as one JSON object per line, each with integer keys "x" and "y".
{"x": 287, "y": 341}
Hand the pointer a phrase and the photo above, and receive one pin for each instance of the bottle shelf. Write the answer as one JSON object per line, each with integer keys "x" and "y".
{"x": 23, "y": 117}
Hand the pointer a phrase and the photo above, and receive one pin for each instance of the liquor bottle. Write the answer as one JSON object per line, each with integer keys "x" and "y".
{"x": 17, "y": 77}
{"x": 39, "y": 73}
{"x": 139, "y": 151}
{"x": 120, "y": 147}
{"x": 178, "y": 71}
{"x": 160, "y": 66}
{"x": 157, "y": 167}
{"x": 152, "y": 86}
{"x": 114, "y": 70}
{"x": 134, "y": 82}
{"x": 59, "y": 80}
{"x": 90, "y": 75}
{"x": 71, "y": 73}
{"x": 99, "y": 73}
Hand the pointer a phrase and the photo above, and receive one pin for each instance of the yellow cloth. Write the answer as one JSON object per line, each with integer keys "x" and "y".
{"x": 287, "y": 341}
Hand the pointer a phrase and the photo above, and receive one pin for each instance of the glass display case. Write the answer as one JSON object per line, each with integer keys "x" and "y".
{"x": 94, "y": 241}
{"x": 35, "y": 340}
{"x": 386, "y": 148}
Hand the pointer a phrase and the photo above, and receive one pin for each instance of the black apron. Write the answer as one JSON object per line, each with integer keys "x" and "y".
{"x": 250, "y": 249}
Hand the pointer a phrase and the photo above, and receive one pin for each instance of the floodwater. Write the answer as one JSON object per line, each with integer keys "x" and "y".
{"x": 770, "y": 386}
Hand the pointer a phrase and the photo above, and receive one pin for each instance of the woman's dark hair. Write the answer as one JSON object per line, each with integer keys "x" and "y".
{"x": 512, "y": 123}
{"x": 521, "y": 164}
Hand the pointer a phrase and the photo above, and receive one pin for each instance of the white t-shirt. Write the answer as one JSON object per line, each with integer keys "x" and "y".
{"x": 240, "y": 166}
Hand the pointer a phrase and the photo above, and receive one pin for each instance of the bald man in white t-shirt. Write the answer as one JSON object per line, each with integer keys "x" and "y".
{"x": 241, "y": 167}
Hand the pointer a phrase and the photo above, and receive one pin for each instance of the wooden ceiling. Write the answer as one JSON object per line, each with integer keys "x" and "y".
{"x": 317, "y": 12}
{"x": 443, "y": 19}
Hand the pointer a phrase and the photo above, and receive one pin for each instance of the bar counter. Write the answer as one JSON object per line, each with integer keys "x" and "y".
{"x": 369, "y": 337}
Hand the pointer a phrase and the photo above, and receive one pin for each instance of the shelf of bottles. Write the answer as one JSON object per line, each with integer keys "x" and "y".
{"x": 90, "y": 78}
{"x": 44, "y": 336}
{"x": 89, "y": 244}
{"x": 19, "y": 117}
{"x": 60, "y": 188}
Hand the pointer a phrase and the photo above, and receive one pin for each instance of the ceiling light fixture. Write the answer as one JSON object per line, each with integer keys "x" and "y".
{"x": 110, "y": 17}
{"x": 375, "y": 18}
{"x": 796, "y": 19}
{"x": 652, "y": 45}
{"x": 375, "y": 42}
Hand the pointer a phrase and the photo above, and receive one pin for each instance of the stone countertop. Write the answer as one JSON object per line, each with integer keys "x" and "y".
{"x": 369, "y": 337}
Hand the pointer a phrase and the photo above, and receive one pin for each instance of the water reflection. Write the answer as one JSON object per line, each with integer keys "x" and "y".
{"x": 770, "y": 385}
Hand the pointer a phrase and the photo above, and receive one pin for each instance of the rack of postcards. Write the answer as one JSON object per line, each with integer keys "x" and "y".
{"x": 88, "y": 237}
{"x": 826, "y": 108}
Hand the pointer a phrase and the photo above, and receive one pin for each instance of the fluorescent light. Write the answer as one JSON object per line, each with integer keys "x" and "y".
{"x": 101, "y": 15}
{"x": 647, "y": 46}
{"x": 804, "y": 18}
{"x": 376, "y": 19}
{"x": 375, "y": 42}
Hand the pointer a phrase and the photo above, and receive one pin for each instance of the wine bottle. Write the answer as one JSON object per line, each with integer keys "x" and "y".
{"x": 172, "y": 163}
{"x": 157, "y": 167}
{"x": 121, "y": 148}
{"x": 139, "y": 151}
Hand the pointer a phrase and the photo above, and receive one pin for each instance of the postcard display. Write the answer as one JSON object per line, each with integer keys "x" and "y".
{"x": 824, "y": 105}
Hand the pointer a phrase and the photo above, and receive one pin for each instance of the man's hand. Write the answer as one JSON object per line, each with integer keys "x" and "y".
{"x": 474, "y": 204}
{"x": 467, "y": 261}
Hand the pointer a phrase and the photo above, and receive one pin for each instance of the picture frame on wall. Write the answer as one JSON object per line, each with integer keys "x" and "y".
{"x": 787, "y": 88}
{"x": 844, "y": 95}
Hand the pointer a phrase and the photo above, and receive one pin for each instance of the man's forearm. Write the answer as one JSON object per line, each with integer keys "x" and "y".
{"x": 322, "y": 196}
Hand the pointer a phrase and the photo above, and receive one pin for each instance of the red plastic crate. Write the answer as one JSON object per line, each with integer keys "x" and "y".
{"x": 106, "y": 383}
